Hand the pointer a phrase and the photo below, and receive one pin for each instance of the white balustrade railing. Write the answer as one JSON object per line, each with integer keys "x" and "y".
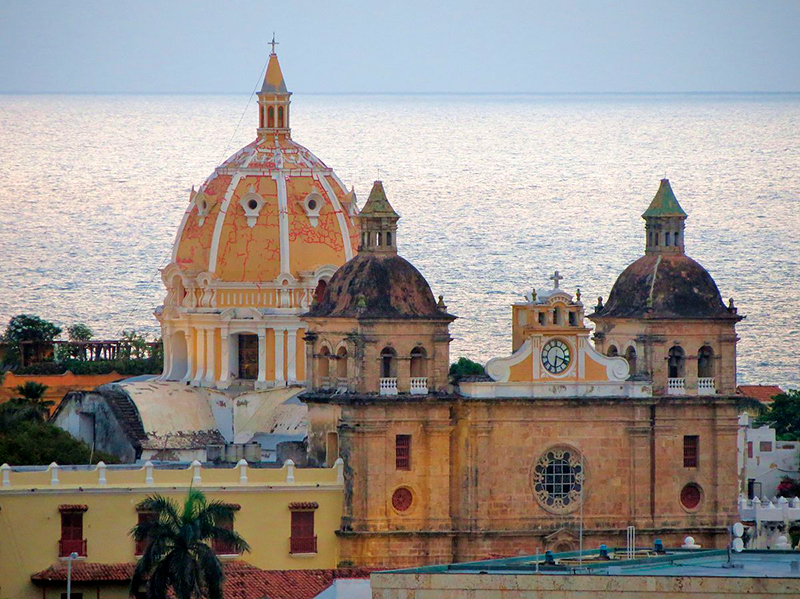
{"x": 676, "y": 386}
{"x": 419, "y": 385}
{"x": 342, "y": 383}
{"x": 705, "y": 386}
{"x": 388, "y": 386}
{"x": 779, "y": 509}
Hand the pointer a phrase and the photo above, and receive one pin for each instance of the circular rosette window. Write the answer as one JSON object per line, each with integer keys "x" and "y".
{"x": 558, "y": 480}
{"x": 402, "y": 499}
{"x": 691, "y": 495}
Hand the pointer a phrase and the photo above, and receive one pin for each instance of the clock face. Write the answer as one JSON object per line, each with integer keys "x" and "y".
{"x": 555, "y": 356}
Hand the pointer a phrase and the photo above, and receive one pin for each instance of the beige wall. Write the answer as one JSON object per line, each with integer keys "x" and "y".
{"x": 472, "y": 467}
{"x": 488, "y": 586}
{"x": 30, "y": 521}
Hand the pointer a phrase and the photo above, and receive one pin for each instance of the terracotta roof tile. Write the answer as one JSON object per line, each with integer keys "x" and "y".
{"x": 242, "y": 580}
{"x": 763, "y": 393}
{"x": 73, "y": 507}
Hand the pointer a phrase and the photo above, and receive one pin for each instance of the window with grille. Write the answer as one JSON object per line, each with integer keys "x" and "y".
{"x": 749, "y": 449}
{"x": 72, "y": 540}
{"x": 144, "y": 518}
{"x": 691, "y": 445}
{"x": 403, "y": 452}
{"x": 765, "y": 446}
{"x": 221, "y": 546}
{"x": 303, "y": 539}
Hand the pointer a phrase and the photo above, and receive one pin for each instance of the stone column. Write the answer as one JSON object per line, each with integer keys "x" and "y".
{"x": 166, "y": 339}
{"x": 279, "y": 378}
{"x": 261, "y": 382}
{"x": 211, "y": 357}
{"x": 403, "y": 374}
{"x": 225, "y": 358}
{"x": 201, "y": 357}
{"x": 190, "y": 354}
{"x": 291, "y": 354}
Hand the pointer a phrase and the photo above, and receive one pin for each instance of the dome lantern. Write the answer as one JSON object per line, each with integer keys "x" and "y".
{"x": 378, "y": 222}
{"x": 664, "y": 220}
{"x": 273, "y": 100}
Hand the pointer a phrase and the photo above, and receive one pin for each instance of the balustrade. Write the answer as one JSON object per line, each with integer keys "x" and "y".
{"x": 676, "y": 386}
{"x": 705, "y": 386}
{"x": 419, "y": 385}
{"x": 388, "y": 386}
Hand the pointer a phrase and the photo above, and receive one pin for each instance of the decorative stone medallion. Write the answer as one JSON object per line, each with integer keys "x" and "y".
{"x": 558, "y": 480}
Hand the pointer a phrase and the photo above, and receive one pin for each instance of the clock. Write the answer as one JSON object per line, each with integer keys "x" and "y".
{"x": 556, "y": 356}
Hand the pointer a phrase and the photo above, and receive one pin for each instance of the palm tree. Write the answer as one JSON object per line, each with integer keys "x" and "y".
{"x": 32, "y": 394}
{"x": 177, "y": 555}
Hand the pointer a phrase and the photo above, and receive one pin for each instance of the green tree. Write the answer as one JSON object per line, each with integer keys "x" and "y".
{"x": 30, "y": 328}
{"x": 32, "y": 395}
{"x": 79, "y": 332}
{"x": 133, "y": 345}
{"x": 178, "y": 556}
{"x": 464, "y": 367}
{"x": 25, "y": 441}
{"x": 783, "y": 415}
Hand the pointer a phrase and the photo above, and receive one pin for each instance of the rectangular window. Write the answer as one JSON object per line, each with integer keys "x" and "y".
{"x": 690, "y": 451}
{"x": 144, "y": 517}
{"x": 765, "y": 446}
{"x": 403, "y": 452}
{"x": 223, "y": 547}
{"x": 303, "y": 539}
{"x": 750, "y": 449}
{"x": 72, "y": 540}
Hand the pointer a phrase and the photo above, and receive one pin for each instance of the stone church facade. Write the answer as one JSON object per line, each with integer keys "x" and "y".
{"x": 561, "y": 436}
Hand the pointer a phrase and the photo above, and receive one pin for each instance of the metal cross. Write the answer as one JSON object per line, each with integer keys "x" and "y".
{"x": 273, "y": 43}
{"x": 556, "y": 278}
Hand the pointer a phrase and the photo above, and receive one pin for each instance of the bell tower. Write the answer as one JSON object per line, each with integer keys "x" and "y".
{"x": 273, "y": 100}
{"x": 664, "y": 220}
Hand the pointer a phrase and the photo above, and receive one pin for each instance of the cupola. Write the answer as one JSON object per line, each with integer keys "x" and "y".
{"x": 378, "y": 222}
{"x": 273, "y": 100}
{"x": 664, "y": 220}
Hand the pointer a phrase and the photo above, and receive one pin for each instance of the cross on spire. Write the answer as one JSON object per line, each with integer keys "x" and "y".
{"x": 556, "y": 278}
{"x": 273, "y": 43}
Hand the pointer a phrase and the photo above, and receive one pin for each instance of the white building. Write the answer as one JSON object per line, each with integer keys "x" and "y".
{"x": 763, "y": 460}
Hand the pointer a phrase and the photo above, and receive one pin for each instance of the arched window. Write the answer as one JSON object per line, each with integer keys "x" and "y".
{"x": 319, "y": 292}
{"x": 388, "y": 239}
{"x": 612, "y": 352}
{"x": 324, "y": 363}
{"x": 248, "y": 356}
{"x": 666, "y": 239}
{"x": 388, "y": 363}
{"x": 270, "y": 117}
{"x": 280, "y": 116}
{"x": 418, "y": 362}
{"x": 630, "y": 356}
{"x": 379, "y": 238}
{"x": 677, "y": 363}
{"x": 705, "y": 362}
{"x": 341, "y": 363}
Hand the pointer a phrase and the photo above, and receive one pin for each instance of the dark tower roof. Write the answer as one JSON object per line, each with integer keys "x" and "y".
{"x": 378, "y": 283}
{"x": 665, "y": 282}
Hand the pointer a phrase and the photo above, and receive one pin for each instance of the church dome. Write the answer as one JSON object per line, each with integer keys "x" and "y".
{"x": 375, "y": 286}
{"x": 378, "y": 283}
{"x": 271, "y": 209}
{"x": 665, "y": 282}
{"x": 665, "y": 286}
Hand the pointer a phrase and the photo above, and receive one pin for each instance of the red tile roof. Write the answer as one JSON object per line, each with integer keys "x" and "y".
{"x": 242, "y": 580}
{"x": 763, "y": 393}
{"x": 73, "y": 507}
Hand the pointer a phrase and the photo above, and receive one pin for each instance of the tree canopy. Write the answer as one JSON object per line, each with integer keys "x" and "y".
{"x": 464, "y": 367}
{"x": 783, "y": 415}
{"x": 178, "y": 557}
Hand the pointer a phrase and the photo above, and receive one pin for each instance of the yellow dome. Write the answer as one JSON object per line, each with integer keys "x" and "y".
{"x": 271, "y": 209}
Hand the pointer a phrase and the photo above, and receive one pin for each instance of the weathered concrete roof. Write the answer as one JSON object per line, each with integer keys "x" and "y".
{"x": 273, "y": 78}
{"x": 378, "y": 286}
{"x": 378, "y": 205}
{"x": 665, "y": 286}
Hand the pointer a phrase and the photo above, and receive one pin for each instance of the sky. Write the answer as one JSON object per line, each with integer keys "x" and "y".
{"x": 171, "y": 46}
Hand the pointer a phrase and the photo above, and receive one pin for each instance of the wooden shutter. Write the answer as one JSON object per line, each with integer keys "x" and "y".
{"x": 403, "y": 452}
{"x": 691, "y": 444}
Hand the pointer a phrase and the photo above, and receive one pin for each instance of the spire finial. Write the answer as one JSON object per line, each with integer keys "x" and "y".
{"x": 556, "y": 278}
{"x": 273, "y": 43}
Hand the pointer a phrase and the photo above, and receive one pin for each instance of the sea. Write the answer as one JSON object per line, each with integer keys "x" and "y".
{"x": 496, "y": 192}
